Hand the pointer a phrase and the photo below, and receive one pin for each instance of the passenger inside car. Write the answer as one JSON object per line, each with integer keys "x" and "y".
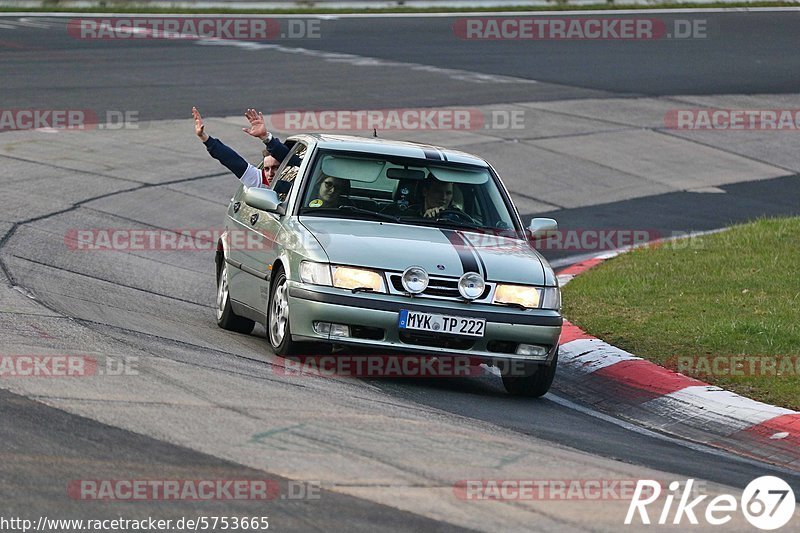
{"x": 330, "y": 191}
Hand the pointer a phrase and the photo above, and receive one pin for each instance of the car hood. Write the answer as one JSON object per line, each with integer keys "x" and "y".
{"x": 440, "y": 251}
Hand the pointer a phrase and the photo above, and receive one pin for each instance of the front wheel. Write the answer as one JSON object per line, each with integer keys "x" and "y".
{"x": 533, "y": 384}
{"x": 278, "y": 330}
{"x": 226, "y": 318}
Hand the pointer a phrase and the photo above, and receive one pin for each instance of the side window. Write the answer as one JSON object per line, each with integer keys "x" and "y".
{"x": 288, "y": 170}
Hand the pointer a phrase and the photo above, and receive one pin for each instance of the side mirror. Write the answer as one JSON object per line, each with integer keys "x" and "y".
{"x": 540, "y": 227}
{"x": 264, "y": 199}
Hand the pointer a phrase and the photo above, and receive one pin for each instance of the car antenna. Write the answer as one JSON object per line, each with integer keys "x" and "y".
{"x": 374, "y": 132}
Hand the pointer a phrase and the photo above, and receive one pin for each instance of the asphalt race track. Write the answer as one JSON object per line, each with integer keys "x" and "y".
{"x": 382, "y": 454}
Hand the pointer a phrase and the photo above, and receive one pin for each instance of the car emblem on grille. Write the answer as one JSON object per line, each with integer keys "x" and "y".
{"x": 440, "y": 267}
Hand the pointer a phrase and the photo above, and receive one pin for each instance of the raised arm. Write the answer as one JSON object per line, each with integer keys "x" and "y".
{"x": 247, "y": 173}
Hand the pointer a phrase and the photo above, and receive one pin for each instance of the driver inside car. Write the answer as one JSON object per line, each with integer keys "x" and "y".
{"x": 437, "y": 196}
{"x": 436, "y": 199}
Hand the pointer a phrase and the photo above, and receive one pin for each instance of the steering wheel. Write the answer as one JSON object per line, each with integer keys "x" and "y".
{"x": 456, "y": 215}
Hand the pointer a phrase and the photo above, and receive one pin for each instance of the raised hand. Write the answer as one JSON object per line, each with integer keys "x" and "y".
{"x": 199, "y": 127}
{"x": 257, "y": 127}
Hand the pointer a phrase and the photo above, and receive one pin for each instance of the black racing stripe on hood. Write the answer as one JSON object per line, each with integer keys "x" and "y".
{"x": 469, "y": 260}
{"x": 480, "y": 259}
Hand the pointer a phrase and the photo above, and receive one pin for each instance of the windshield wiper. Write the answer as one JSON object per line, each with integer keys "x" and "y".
{"x": 452, "y": 223}
{"x": 353, "y": 209}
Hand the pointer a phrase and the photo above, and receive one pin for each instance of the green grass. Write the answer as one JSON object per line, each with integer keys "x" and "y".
{"x": 112, "y": 6}
{"x": 726, "y": 294}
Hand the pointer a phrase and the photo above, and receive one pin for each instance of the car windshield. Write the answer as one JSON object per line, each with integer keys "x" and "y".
{"x": 405, "y": 191}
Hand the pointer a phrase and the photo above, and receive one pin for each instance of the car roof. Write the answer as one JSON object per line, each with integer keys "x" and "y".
{"x": 373, "y": 145}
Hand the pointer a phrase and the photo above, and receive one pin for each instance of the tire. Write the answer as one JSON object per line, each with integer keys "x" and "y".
{"x": 532, "y": 385}
{"x": 278, "y": 328}
{"x": 226, "y": 318}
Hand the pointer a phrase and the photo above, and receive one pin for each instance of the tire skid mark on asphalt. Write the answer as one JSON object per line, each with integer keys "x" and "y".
{"x": 10, "y": 233}
{"x": 133, "y": 220}
{"x": 68, "y": 169}
{"x": 195, "y": 391}
{"x": 115, "y": 283}
{"x": 127, "y": 252}
{"x": 223, "y": 353}
{"x": 789, "y": 171}
{"x": 334, "y": 444}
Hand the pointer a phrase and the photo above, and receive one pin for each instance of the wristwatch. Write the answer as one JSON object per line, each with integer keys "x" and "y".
{"x": 269, "y": 138}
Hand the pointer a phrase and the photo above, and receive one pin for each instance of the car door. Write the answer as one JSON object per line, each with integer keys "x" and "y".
{"x": 259, "y": 246}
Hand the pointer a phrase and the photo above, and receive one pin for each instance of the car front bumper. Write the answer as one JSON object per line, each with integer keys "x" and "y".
{"x": 379, "y": 314}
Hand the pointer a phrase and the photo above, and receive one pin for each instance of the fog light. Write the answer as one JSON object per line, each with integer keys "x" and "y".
{"x": 322, "y": 328}
{"x": 471, "y": 285}
{"x": 331, "y": 330}
{"x": 340, "y": 330}
{"x": 532, "y": 350}
{"x": 415, "y": 280}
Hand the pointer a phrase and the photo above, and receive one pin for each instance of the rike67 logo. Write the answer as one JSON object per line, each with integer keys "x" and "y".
{"x": 767, "y": 502}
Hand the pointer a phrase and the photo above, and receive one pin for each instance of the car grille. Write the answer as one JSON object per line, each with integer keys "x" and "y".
{"x": 437, "y": 288}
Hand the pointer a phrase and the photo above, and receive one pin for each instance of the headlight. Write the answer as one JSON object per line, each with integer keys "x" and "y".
{"x": 357, "y": 278}
{"x": 529, "y": 297}
{"x": 517, "y": 295}
{"x": 315, "y": 273}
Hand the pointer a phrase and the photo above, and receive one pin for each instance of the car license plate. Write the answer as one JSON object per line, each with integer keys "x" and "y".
{"x": 451, "y": 325}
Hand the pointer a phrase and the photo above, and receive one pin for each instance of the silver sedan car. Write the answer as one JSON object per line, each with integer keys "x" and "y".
{"x": 392, "y": 246}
